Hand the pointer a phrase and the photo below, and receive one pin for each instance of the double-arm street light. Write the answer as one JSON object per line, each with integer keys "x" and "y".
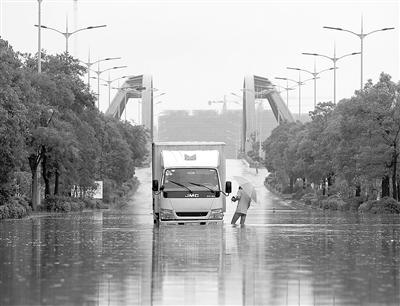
{"x": 299, "y": 83}
{"x": 315, "y": 77}
{"x": 286, "y": 88}
{"x": 334, "y": 59}
{"x": 99, "y": 72}
{"x": 68, "y": 34}
{"x": 89, "y": 64}
{"x": 39, "y": 36}
{"x": 361, "y": 36}
{"x": 224, "y": 103}
{"x": 109, "y": 84}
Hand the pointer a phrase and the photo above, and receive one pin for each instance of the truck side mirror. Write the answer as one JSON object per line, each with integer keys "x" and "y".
{"x": 155, "y": 185}
{"x": 228, "y": 187}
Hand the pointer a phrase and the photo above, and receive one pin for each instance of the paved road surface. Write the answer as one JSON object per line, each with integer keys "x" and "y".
{"x": 293, "y": 256}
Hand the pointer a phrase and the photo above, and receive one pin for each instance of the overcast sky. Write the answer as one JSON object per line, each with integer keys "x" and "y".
{"x": 201, "y": 50}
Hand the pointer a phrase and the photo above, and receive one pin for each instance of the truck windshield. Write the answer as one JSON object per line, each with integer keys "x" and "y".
{"x": 194, "y": 178}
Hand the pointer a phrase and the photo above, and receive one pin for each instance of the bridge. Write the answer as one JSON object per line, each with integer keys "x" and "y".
{"x": 259, "y": 88}
{"x": 135, "y": 87}
{"x": 255, "y": 88}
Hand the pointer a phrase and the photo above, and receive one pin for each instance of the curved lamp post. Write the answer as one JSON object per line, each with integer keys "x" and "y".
{"x": 286, "y": 88}
{"x": 334, "y": 59}
{"x": 315, "y": 77}
{"x": 109, "y": 84}
{"x": 98, "y": 72}
{"x": 89, "y": 64}
{"x": 299, "y": 83}
{"x": 68, "y": 34}
{"x": 361, "y": 36}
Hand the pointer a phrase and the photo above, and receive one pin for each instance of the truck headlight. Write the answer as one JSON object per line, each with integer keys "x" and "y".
{"x": 217, "y": 214}
{"x": 166, "y": 214}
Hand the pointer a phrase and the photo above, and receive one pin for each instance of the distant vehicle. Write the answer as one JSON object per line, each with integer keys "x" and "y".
{"x": 189, "y": 183}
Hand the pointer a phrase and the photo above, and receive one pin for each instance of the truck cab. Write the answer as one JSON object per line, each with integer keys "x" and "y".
{"x": 189, "y": 182}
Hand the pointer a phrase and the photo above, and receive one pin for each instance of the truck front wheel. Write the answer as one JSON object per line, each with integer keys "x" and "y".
{"x": 156, "y": 219}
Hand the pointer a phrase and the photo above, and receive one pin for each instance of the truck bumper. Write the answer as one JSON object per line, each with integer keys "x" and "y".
{"x": 191, "y": 222}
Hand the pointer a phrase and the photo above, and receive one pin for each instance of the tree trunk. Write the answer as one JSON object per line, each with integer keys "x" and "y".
{"x": 330, "y": 181}
{"x": 385, "y": 186}
{"x": 358, "y": 190}
{"x": 398, "y": 188}
{"x": 34, "y": 161}
{"x": 45, "y": 174}
{"x": 35, "y": 189}
{"x": 304, "y": 182}
{"x": 394, "y": 173}
{"x": 323, "y": 187}
{"x": 56, "y": 181}
{"x": 291, "y": 183}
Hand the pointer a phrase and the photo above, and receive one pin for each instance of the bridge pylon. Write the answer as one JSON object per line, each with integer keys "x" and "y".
{"x": 134, "y": 87}
{"x": 257, "y": 87}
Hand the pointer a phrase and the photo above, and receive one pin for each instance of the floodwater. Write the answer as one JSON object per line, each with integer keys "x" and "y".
{"x": 285, "y": 255}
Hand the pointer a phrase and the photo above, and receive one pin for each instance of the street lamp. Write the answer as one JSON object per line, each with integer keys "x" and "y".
{"x": 89, "y": 64}
{"x": 39, "y": 36}
{"x": 98, "y": 72}
{"x": 361, "y": 36}
{"x": 315, "y": 77}
{"x": 334, "y": 59}
{"x": 159, "y": 95}
{"x": 299, "y": 83}
{"x": 109, "y": 84}
{"x": 287, "y": 88}
{"x": 224, "y": 103}
{"x": 68, "y": 34}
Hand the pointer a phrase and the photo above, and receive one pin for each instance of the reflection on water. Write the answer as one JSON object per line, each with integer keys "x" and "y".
{"x": 298, "y": 258}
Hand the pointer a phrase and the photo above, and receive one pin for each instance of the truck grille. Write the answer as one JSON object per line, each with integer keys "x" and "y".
{"x": 192, "y": 214}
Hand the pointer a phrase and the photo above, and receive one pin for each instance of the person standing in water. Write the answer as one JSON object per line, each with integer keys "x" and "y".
{"x": 243, "y": 205}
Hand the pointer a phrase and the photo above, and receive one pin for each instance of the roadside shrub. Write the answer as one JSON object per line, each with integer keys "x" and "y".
{"x": 316, "y": 203}
{"x": 22, "y": 183}
{"x": 287, "y": 190}
{"x": 298, "y": 186}
{"x": 333, "y": 203}
{"x": 89, "y": 203}
{"x": 63, "y": 204}
{"x": 299, "y": 194}
{"x": 343, "y": 205}
{"x": 309, "y": 197}
{"x": 354, "y": 203}
{"x": 385, "y": 205}
{"x": 365, "y": 207}
{"x": 16, "y": 208}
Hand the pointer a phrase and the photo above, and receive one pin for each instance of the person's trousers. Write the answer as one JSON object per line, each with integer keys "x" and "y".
{"x": 236, "y": 216}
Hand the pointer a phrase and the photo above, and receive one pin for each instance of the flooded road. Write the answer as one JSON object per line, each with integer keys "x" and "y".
{"x": 285, "y": 255}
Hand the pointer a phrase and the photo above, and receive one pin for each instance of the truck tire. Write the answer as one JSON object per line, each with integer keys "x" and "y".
{"x": 156, "y": 219}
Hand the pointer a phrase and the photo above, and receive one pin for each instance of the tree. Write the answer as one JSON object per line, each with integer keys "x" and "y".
{"x": 13, "y": 117}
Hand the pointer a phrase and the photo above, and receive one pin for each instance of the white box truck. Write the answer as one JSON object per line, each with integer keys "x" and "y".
{"x": 189, "y": 183}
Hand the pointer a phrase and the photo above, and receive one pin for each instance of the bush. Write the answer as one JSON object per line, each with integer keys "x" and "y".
{"x": 354, "y": 203}
{"x": 287, "y": 190}
{"x": 299, "y": 194}
{"x": 308, "y": 198}
{"x": 316, "y": 203}
{"x": 89, "y": 203}
{"x": 334, "y": 203}
{"x": 386, "y": 205}
{"x": 63, "y": 204}
{"x": 365, "y": 207}
{"x": 22, "y": 183}
{"x": 16, "y": 208}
